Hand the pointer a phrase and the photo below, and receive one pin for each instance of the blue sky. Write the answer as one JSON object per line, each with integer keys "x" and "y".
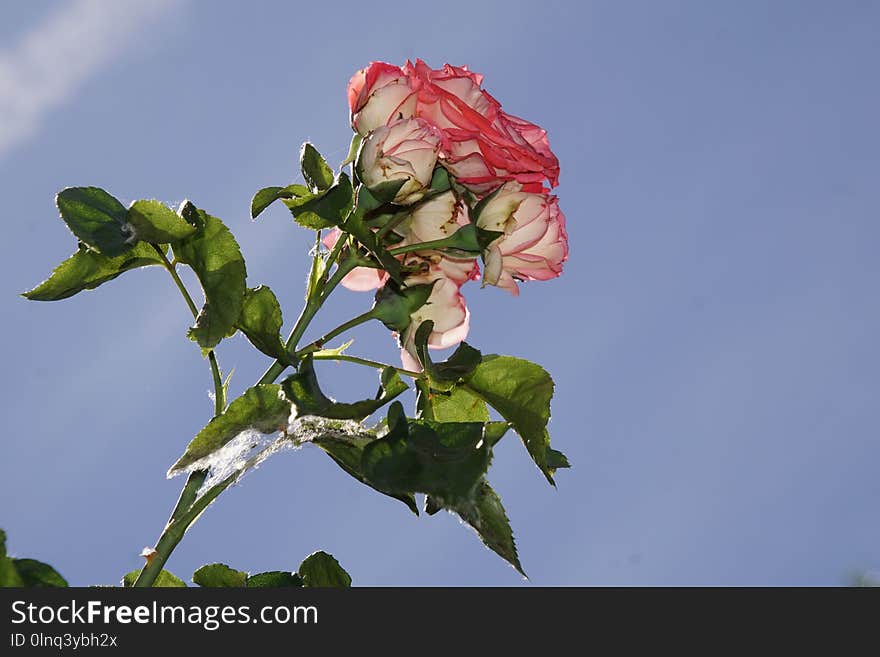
{"x": 713, "y": 337}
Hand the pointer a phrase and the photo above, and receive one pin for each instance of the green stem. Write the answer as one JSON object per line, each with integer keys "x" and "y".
{"x": 308, "y": 312}
{"x": 176, "y": 526}
{"x": 391, "y": 225}
{"x": 189, "y": 505}
{"x": 421, "y": 246}
{"x": 341, "y": 272}
{"x": 318, "y": 344}
{"x": 368, "y": 363}
{"x": 186, "y": 512}
{"x": 169, "y": 540}
{"x": 180, "y": 286}
{"x": 219, "y": 396}
{"x": 219, "y": 391}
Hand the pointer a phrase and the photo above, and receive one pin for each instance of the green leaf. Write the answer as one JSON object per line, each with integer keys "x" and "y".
{"x": 356, "y": 224}
{"x": 486, "y": 237}
{"x": 303, "y": 390}
{"x": 263, "y": 408}
{"x": 216, "y": 259}
{"x": 352, "y": 150}
{"x": 97, "y": 219}
{"x": 446, "y": 459}
{"x": 219, "y": 575}
{"x": 317, "y": 272}
{"x": 155, "y": 222}
{"x": 332, "y": 351}
{"x": 274, "y": 579}
{"x": 323, "y": 570}
{"x": 347, "y": 452}
{"x": 86, "y": 270}
{"x": 440, "y": 180}
{"x": 394, "y": 305}
{"x": 520, "y": 391}
{"x": 495, "y": 431}
{"x": 163, "y": 580}
{"x": 380, "y": 218}
{"x": 460, "y": 364}
{"x": 9, "y": 576}
{"x": 455, "y": 405}
{"x": 326, "y": 208}
{"x": 35, "y": 573}
{"x": 371, "y": 198}
{"x": 465, "y": 241}
{"x": 318, "y": 175}
{"x": 261, "y": 322}
{"x": 268, "y": 195}
{"x": 556, "y": 459}
{"x": 485, "y": 513}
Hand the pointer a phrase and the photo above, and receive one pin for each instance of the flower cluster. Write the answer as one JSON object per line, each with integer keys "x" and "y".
{"x": 415, "y": 120}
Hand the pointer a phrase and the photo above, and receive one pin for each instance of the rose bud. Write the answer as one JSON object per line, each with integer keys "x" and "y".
{"x": 445, "y": 307}
{"x": 533, "y": 244}
{"x": 434, "y": 219}
{"x": 379, "y": 94}
{"x": 403, "y": 151}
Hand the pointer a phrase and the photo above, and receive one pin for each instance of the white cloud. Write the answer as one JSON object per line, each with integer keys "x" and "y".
{"x": 48, "y": 64}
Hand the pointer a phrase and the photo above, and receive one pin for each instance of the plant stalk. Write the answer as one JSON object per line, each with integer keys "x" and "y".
{"x": 368, "y": 363}
{"x": 318, "y": 344}
{"x": 308, "y": 313}
{"x": 189, "y": 505}
{"x": 421, "y": 246}
{"x": 181, "y": 517}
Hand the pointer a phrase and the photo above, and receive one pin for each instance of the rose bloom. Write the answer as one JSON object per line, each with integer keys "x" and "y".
{"x": 534, "y": 243}
{"x": 436, "y": 219}
{"x": 404, "y": 150}
{"x": 486, "y": 146}
{"x": 431, "y": 220}
{"x": 445, "y": 307}
{"x": 378, "y": 95}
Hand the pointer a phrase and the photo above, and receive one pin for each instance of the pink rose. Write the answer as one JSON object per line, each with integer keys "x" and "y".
{"x": 378, "y": 95}
{"x": 445, "y": 307}
{"x": 534, "y": 243}
{"x": 403, "y": 150}
{"x": 433, "y": 219}
{"x": 359, "y": 279}
{"x": 436, "y": 219}
{"x": 486, "y": 146}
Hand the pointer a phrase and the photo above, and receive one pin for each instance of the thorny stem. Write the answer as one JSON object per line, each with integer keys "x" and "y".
{"x": 391, "y": 225}
{"x": 189, "y": 505}
{"x": 421, "y": 246}
{"x": 219, "y": 395}
{"x": 186, "y": 512}
{"x": 309, "y": 310}
{"x": 368, "y": 363}
{"x": 342, "y": 328}
{"x": 182, "y": 516}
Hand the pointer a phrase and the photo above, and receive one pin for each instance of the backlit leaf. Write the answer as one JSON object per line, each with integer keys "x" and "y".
{"x": 97, "y": 219}
{"x": 216, "y": 259}
{"x": 323, "y": 570}
{"x": 87, "y": 269}
{"x": 262, "y": 408}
